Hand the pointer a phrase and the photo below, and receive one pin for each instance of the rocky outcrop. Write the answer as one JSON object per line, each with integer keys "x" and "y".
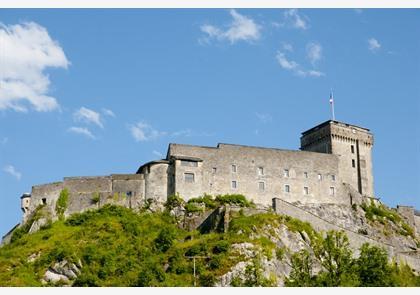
{"x": 62, "y": 272}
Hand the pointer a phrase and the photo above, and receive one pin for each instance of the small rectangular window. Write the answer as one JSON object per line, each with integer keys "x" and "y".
{"x": 214, "y": 170}
{"x": 129, "y": 194}
{"x": 352, "y": 149}
{"x": 234, "y": 184}
{"x": 287, "y": 188}
{"x": 332, "y": 191}
{"x": 44, "y": 201}
{"x": 260, "y": 171}
{"x": 286, "y": 173}
{"x": 353, "y": 163}
{"x": 332, "y": 177}
{"x": 306, "y": 190}
{"x": 319, "y": 177}
{"x": 234, "y": 168}
{"x": 261, "y": 186}
{"x": 187, "y": 163}
{"x": 305, "y": 174}
{"x": 189, "y": 177}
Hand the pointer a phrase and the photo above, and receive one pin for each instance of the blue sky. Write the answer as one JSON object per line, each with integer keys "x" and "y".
{"x": 94, "y": 92}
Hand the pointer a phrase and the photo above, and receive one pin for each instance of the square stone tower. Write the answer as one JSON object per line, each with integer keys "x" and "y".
{"x": 352, "y": 144}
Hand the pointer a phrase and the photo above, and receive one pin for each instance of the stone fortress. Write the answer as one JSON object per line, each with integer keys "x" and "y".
{"x": 333, "y": 166}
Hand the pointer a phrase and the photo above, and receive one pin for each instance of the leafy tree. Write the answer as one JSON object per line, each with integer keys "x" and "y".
{"x": 165, "y": 239}
{"x": 372, "y": 266}
{"x": 301, "y": 274}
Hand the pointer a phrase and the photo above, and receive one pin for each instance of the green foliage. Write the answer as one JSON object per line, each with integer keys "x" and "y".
{"x": 301, "y": 274}
{"x": 234, "y": 199}
{"x": 174, "y": 201}
{"x": 372, "y": 266}
{"x": 382, "y": 214}
{"x": 96, "y": 198}
{"x": 165, "y": 239}
{"x": 61, "y": 205}
{"x": 208, "y": 201}
{"x": 192, "y": 208}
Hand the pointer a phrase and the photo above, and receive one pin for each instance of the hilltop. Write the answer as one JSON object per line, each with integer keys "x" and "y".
{"x": 234, "y": 242}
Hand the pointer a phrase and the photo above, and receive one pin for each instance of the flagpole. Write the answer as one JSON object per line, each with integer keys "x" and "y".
{"x": 332, "y": 105}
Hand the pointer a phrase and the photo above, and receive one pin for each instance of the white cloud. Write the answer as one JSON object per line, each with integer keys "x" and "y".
{"x": 145, "y": 132}
{"x": 12, "y": 171}
{"x": 373, "y": 45}
{"x": 264, "y": 118}
{"x": 26, "y": 51}
{"x": 313, "y": 52}
{"x": 185, "y": 133}
{"x": 158, "y": 154}
{"x": 108, "y": 112}
{"x": 82, "y": 131}
{"x": 287, "y": 47}
{"x": 294, "y": 19}
{"x": 241, "y": 28}
{"x": 294, "y": 67}
{"x": 88, "y": 116}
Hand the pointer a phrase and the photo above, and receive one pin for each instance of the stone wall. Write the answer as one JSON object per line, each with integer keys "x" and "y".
{"x": 254, "y": 165}
{"x": 156, "y": 182}
{"x": 356, "y": 240}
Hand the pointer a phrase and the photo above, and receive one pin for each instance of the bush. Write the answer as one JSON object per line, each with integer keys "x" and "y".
{"x": 192, "y": 208}
{"x": 174, "y": 201}
{"x": 96, "y": 198}
{"x": 165, "y": 239}
{"x": 221, "y": 247}
{"x": 61, "y": 205}
{"x": 208, "y": 201}
{"x": 235, "y": 199}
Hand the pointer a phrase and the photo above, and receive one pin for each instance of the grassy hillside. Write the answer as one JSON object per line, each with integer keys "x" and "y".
{"x": 118, "y": 247}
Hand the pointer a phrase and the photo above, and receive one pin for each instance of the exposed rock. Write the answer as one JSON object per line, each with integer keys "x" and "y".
{"x": 62, "y": 271}
{"x": 33, "y": 257}
{"x": 52, "y": 277}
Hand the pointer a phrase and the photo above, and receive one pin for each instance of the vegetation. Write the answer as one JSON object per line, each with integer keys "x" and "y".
{"x": 383, "y": 215}
{"x": 96, "y": 198}
{"x": 61, "y": 205}
{"x": 339, "y": 268}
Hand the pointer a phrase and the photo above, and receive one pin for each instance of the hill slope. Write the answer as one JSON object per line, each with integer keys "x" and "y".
{"x": 114, "y": 246}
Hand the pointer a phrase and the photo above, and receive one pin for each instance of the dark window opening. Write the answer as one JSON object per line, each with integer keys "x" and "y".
{"x": 44, "y": 201}
{"x": 353, "y": 163}
{"x": 352, "y": 149}
{"x": 129, "y": 194}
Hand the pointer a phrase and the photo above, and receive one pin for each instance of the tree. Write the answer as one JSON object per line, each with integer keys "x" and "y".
{"x": 301, "y": 274}
{"x": 372, "y": 267}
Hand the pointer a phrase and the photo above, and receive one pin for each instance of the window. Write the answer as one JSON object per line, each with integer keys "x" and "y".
{"x": 319, "y": 177}
{"x": 332, "y": 177}
{"x": 234, "y": 168}
{"x": 129, "y": 194}
{"x": 306, "y": 190}
{"x": 353, "y": 163}
{"x": 214, "y": 170}
{"x": 260, "y": 171}
{"x": 305, "y": 174}
{"x": 261, "y": 186}
{"x": 287, "y": 188}
{"x": 44, "y": 201}
{"x": 332, "y": 191}
{"x": 234, "y": 184}
{"x": 352, "y": 149}
{"x": 189, "y": 177}
{"x": 286, "y": 173}
{"x": 187, "y": 163}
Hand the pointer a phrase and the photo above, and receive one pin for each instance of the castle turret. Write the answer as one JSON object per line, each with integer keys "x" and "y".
{"x": 352, "y": 144}
{"x": 25, "y": 202}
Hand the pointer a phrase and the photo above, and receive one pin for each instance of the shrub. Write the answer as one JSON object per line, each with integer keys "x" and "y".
{"x": 234, "y": 199}
{"x": 192, "y": 208}
{"x": 165, "y": 239}
{"x": 208, "y": 201}
{"x": 221, "y": 247}
{"x": 174, "y": 201}
{"x": 61, "y": 205}
{"x": 96, "y": 198}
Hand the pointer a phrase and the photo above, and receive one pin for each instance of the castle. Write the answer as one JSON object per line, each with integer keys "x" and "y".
{"x": 333, "y": 165}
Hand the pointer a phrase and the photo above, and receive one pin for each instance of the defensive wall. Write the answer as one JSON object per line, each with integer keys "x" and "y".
{"x": 258, "y": 173}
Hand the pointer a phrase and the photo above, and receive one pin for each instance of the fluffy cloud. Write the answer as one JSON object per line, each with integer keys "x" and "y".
{"x": 88, "y": 116}
{"x": 12, "y": 171}
{"x": 145, "y": 132}
{"x": 108, "y": 112}
{"x": 241, "y": 28}
{"x": 313, "y": 52}
{"x": 294, "y": 67}
{"x": 82, "y": 131}
{"x": 294, "y": 19}
{"x": 373, "y": 45}
{"x": 26, "y": 51}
